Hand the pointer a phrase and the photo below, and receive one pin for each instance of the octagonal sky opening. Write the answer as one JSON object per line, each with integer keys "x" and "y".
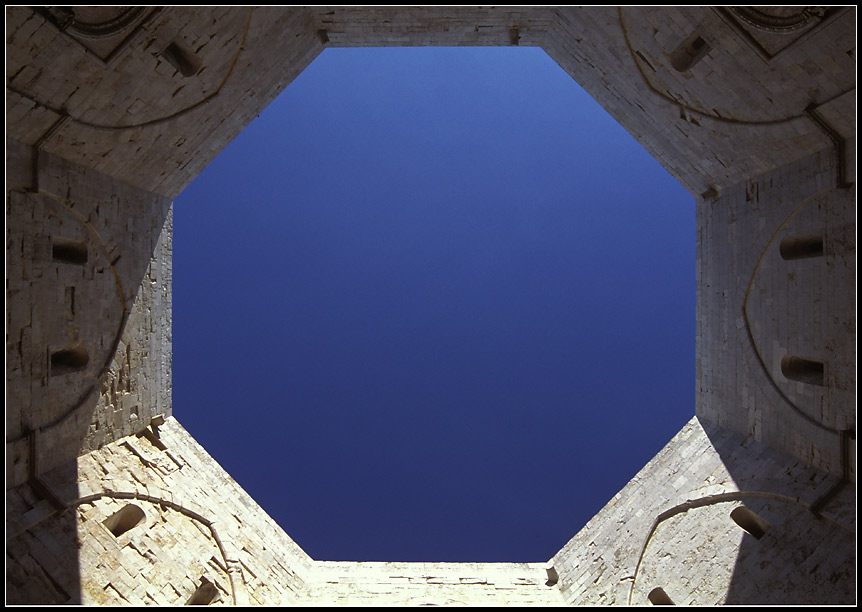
{"x": 433, "y": 304}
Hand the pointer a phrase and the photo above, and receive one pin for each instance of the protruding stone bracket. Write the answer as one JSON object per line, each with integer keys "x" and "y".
{"x": 180, "y": 56}
{"x": 155, "y": 422}
{"x": 709, "y": 194}
{"x": 553, "y": 576}
{"x": 658, "y": 597}
{"x": 690, "y": 51}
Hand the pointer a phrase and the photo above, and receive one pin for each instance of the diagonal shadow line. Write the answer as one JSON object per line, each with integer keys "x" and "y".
{"x": 707, "y": 501}
{"x": 63, "y": 205}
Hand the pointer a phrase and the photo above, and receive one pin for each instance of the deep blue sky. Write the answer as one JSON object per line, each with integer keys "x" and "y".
{"x": 433, "y": 304}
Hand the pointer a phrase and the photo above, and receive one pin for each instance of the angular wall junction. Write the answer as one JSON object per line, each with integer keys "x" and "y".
{"x": 112, "y": 111}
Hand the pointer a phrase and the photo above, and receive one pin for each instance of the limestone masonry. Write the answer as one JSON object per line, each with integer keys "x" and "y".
{"x": 112, "y": 111}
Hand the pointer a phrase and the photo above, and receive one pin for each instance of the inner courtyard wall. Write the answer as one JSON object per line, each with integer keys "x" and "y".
{"x": 101, "y": 136}
{"x": 138, "y": 118}
{"x": 696, "y": 122}
{"x": 88, "y": 270}
{"x": 197, "y": 524}
{"x": 431, "y": 584}
{"x": 755, "y": 308}
{"x": 670, "y": 527}
{"x": 131, "y": 113}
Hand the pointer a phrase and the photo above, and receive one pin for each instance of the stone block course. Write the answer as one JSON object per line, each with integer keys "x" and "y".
{"x": 101, "y": 137}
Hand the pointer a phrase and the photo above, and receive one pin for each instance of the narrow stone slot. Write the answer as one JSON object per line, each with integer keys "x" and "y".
{"x": 70, "y": 359}
{"x": 204, "y": 595}
{"x": 182, "y": 58}
{"x": 69, "y": 251}
{"x": 803, "y": 370}
{"x": 690, "y": 52}
{"x": 658, "y": 597}
{"x": 645, "y": 61}
{"x": 750, "y": 522}
{"x": 124, "y": 519}
{"x": 801, "y": 246}
{"x": 70, "y": 301}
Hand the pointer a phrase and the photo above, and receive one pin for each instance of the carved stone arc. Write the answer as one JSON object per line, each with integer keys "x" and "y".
{"x": 112, "y": 111}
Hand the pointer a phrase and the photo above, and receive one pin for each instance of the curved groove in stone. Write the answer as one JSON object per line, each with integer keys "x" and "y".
{"x": 693, "y": 109}
{"x": 754, "y": 347}
{"x": 104, "y": 29}
{"x": 158, "y": 120}
{"x": 169, "y": 504}
{"x": 708, "y": 501}
{"x": 775, "y": 23}
{"x": 75, "y": 406}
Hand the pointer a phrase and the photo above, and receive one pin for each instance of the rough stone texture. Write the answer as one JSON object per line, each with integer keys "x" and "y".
{"x": 137, "y": 117}
{"x": 116, "y": 304}
{"x": 670, "y": 527}
{"x": 199, "y": 524}
{"x": 754, "y": 307}
{"x": 103, "y": 131}
{"x": 438, "y": 584}
{"x": 696, "y": 122}
{"x": 365, "y": 26}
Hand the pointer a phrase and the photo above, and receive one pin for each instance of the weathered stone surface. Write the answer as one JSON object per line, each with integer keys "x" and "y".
{"x": 111, "y": 113}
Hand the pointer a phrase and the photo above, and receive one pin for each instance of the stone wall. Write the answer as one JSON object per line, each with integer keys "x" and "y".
{"x": 755, "y": 307}
{"x": 89, "y": 312}
{"x": 671, "y": 528}
{"x": 191, "y": 524}
{"x": 431, "y": 584}
{"x": 132, "y": 113}
{"x": 152, "y": 517}
{"x": 112, "y": 111}
{"x": 696, "y": 122}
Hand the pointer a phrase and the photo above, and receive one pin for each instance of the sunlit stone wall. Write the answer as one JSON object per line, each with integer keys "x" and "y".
{"x": 671, "y": 528}
{"x": 191, "y": 524}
